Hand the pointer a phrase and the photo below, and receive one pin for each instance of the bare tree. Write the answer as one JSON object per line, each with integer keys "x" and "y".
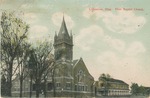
{"x": 14, "y": 33}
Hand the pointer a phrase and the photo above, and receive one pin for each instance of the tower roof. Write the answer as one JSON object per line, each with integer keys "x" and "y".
{"x": 63, "y": 32}
{"x": 63, "y": 35}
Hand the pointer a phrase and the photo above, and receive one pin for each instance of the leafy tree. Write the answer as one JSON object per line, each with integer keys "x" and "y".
{"x": 105, "y": 77}
{"x": 14, "y": 33}
{"x": 31, "y": 65}
{"x": 142, "y": 90}
{"x": 148, "y": 91}
{"x": 41, "y": 62}
{"x": 3, "y": 85}
{"x": 134, "y": 89}
{"x": 139, "y": 90}
{"x": 23, "y": 54}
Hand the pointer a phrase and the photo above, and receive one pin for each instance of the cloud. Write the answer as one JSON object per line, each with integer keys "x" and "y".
{"x": 106, "y": 58}
{"x": 30, "y": 18}
{"x": 135, "y": 48}
{"x": 38, "y": 32}
{"x": 37, "y": 5}
{"x": 91, "y": 35}
{"x": 117, "y": 44}
{"x": 124, "y": 22}
{"x": 26, "y": 6}
{"x": 88, "y": 36}
{"x": 120, "y": 22}
{"x": 57, "y": 19}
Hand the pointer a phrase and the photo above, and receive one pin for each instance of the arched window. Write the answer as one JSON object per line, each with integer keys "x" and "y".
{"x": 80, "y": 75}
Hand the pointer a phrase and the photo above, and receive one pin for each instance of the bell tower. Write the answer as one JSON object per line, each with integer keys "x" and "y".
{"x": 63, "y": 44}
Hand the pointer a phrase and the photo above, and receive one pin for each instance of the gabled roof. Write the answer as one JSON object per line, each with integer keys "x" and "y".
{"x": 75, "y": 63}
{"x": 113, "y": 80}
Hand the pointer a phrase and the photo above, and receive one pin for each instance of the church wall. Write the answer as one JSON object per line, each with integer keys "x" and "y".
{"x": 82, "y": 79}
{"x": 63, "y": 77}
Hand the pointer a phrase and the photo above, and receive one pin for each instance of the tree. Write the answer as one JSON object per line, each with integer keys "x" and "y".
{"x": 31, "y": 64}
{"x": 22, "y": 56}
{"x": 14, "y": 33}
{"x": 142, "y": 90}
{"x": 105, "y": 78}
{"x": 3, "y": 85}
{"x": 134, "y": 89}
{"x": 42, "y": 63}
{"x": 139, "y": 90}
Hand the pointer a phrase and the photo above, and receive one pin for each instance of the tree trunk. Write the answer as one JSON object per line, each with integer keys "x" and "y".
{"x": 53, "y": 82}
{"x": 10, "y": 78}
{"x": 21, "y": 83}
{"x": 37, "y": 88}
{"x": 9, "y": 90}
{"x": 37, "y": 93}
{"x": 45, "y": 88}
{"x": 30, "y": 86}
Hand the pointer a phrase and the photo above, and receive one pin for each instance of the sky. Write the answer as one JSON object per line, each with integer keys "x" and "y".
{"x": 112, "y": 36}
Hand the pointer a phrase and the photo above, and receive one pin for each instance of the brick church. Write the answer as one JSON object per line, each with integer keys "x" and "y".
{"x": 72, "y": 77}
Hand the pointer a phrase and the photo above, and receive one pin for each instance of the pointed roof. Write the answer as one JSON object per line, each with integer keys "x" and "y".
{"x": 63, "y": 32}
{"x": 76, "y": 64}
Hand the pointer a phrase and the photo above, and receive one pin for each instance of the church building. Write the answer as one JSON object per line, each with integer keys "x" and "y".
{"x": 72, "y": 78}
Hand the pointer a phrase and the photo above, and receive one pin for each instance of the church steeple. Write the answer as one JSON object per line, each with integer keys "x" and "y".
{"x": 63, "y": 43}
{"x": 63, "y": 32}
{"x": 63, "y": 35}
